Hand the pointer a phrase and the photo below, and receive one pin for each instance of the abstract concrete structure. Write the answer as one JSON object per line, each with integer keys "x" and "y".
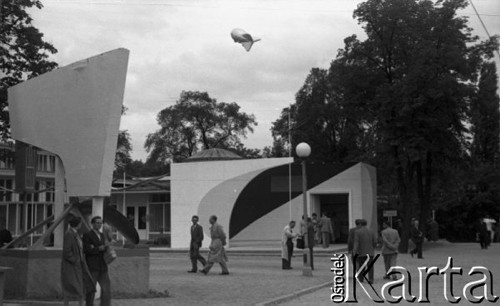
{"x": 74, "y": 112}
{"x": 255, "y": 198}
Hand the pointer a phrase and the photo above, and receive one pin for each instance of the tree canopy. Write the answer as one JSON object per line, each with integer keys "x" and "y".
{"x": 197, "y": 121}
{"x": 23, "y": 52}
{"x": 399, "y": 99}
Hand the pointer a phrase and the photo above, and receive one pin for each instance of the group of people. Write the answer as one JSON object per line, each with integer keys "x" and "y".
{"x": 323, "y": 229}
{"x": 316, "y": 230}
{"x": 216, "y": 253}
{"x": 83, "y": 263}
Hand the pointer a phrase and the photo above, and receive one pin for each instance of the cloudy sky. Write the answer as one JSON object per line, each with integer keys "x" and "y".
{"x": 186, "y": 45}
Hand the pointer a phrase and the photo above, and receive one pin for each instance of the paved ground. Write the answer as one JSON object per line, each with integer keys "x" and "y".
{"x": 259, "y": 278}
{"x": 464, "y": 255}
{"x": 252, "y": 279}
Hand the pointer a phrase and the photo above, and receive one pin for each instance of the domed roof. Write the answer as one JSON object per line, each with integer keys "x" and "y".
{"x": 212, "y": 155}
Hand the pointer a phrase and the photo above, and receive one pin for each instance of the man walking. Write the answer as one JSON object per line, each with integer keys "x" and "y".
{"x": 418, "y": 239}
{"x": 94, "y": 248}
{"x": 287, "y": 245}
{"x": 326, "y": 230}
{"x": 365, "y": 241}
{"x": 390, "y": 245}
{"x": 194, "y": 247}
{"x": 216, "y": 249}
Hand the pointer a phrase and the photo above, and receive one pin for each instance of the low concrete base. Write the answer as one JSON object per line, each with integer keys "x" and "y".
{"x": 37, "y": 273}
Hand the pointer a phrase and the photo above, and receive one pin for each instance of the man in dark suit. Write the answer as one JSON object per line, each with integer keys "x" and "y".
{"x": 94, "y": 247}
{"x": 194, "y": 247}
{"x": 365, "y": 241}
{"x": 350, "y": 238}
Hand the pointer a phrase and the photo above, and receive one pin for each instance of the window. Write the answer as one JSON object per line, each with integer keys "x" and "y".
{"x": 167, "y": 217}
{"x": 49, "y": 194}
{"x": 3, "y": 216}
{"x": 12, "y": 219}
{"x": 6, "y": 159}
{"x": 141, "y": 222}
{"x": 46, "y": 163}
{"x": 5, "y": 190}
{"x": 156, "y": 218}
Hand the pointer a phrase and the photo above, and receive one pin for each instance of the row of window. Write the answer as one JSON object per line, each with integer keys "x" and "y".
{"x": 45, "y": 162}
{"x": 18, "y": 218}
{"x": 44, "y": 188}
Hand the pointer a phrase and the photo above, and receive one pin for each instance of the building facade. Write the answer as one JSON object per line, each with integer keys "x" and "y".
{"x": 20, "y": 212}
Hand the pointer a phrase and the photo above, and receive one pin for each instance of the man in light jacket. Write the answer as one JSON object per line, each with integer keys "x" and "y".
{"x": 390, "y": 245}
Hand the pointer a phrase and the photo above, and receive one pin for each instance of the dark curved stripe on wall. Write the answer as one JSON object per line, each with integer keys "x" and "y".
{"x": 269, "y": 190}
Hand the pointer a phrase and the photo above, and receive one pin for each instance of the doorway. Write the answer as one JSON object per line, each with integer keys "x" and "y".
{"x": 336, "y": 206}
{"x": 137, "y": 216}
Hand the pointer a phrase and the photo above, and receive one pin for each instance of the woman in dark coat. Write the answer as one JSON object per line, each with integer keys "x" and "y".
{"x": 75, "y": 276}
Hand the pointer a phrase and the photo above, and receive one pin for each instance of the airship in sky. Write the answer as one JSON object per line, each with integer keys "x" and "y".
{"x": 242, "y": 37}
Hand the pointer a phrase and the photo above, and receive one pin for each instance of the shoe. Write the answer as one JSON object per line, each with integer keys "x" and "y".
{"x": 387, "y": 277}
{"x": 203, "y": 271}
{"x": 192, "y": 271}
{"x": 287, "y": 268}
{"x": 395, "y": 278}
{"x": 224, "y": 273}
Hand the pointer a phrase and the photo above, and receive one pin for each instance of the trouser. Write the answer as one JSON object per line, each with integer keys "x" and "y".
{"x": 222, "y": 263}
{"x": 418, "y": 249}
{"x": 390, "y": 261}
{"x": 482, "y": 242}
{"x": 312, "y": 257}
{"x": 489, "y": 238}
{"x": 360, "y": 261}
{"x": 195, "y": 257}
{"x": 326, "y": 239}
{"x": 102, "y": 278}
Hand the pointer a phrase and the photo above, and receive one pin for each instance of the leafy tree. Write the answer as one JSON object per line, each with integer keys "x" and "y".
{"x": 195, "y": 122}
{"x": 324, "y": 119}
{"x": 138, "y": 168}
{"x": 485, "y": 118}
{"x": 122, "y": 157}
{"x": 421, "y": 61}
{"x": 23, "y": 52}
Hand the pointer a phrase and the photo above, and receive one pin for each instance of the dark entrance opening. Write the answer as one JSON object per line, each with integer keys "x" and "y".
{"x": 336, "y": 206}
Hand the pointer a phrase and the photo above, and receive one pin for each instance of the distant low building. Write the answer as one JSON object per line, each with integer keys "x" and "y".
{"x": 253, "y": 198}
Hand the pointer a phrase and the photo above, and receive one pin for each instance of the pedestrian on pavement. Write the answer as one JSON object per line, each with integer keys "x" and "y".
{"x": 317, "y": 234}
{"x": 489, "y": 228}
{"x": 94, "y": 247}
{"x": 350, "y": 237}
{"x": 418, "y": 239}
{"x": 390, "y": 245}
{"x": 76, "y": 280}
{"x": 365, "y": 241}
{"x": 195, "y": 245}
{"x": 287, "y": 245}
{"x": 482, "y": 233}
{"x": 216, "y": 249}
{"x": 326, "y": 230}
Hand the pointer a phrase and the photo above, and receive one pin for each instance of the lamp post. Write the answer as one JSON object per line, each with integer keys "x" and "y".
{"x": 303, "y": 150}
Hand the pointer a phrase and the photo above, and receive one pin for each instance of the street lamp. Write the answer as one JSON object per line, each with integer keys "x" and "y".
{"x": 303, "y": 151}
